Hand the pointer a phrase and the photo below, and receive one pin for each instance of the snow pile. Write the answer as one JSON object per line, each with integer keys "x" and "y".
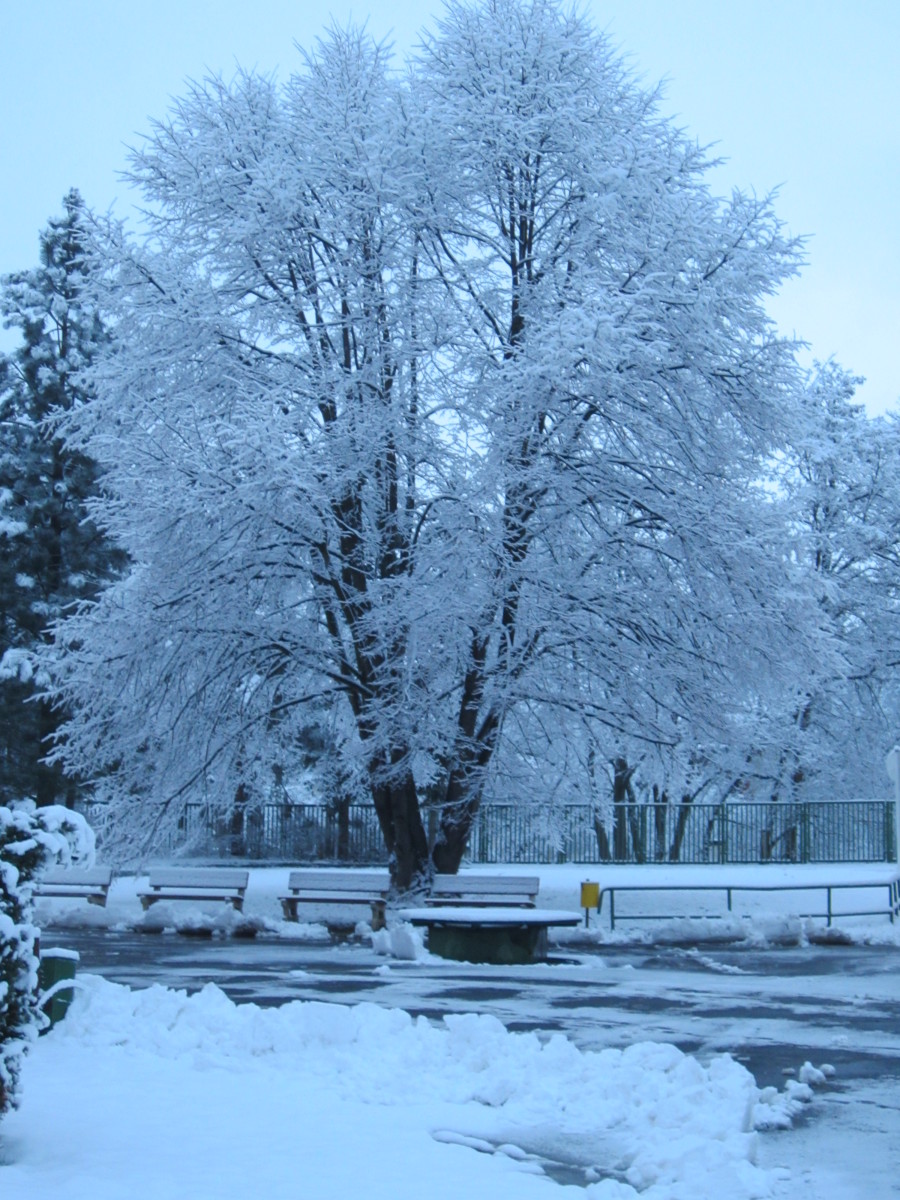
{"x": 776, "y": 1110}
{"x": 400, "y": 940}
{"x": 196, "y": 1096}
{"x": 192, "y": 920}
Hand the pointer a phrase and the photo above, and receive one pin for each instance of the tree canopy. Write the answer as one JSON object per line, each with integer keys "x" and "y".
{"x": 438, "y": 404}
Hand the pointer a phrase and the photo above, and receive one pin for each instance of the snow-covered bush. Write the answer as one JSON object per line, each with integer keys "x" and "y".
{"x": 31, "y": 839}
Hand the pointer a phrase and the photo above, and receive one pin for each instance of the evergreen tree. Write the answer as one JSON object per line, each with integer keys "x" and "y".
{"x": 51, "y": 554}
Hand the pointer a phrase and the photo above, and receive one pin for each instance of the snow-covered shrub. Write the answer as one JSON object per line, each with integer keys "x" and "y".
{"x": 31, "y": 839}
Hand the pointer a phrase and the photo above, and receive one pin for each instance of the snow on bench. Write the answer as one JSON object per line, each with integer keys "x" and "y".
{"x": 315, "y": 886}
{"x": 198, "y": 883}
{"x": 485, "y": 891}
{"x": 89, "y": 883}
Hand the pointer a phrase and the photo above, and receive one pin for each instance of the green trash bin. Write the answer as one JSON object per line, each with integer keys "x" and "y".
{"x": 55, "y": 968}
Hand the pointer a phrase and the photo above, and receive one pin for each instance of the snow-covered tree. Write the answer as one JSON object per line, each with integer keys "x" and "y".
{"x": 51, "y": 554}
{"x": 436, "y": 400}
{"x": 840, "y": 479}
{"x": 30, "y": 840}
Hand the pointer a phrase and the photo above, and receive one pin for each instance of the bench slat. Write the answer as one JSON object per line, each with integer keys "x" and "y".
{"x": 314, "y": 886}
{"x": 492, "y": 884}
{"x": 485, "y": 890}
{"x": 199, "y": 877}
{"x": 339, "y": 881}
{"x": 197, "y": 883}
{"x": 84, "y": 876}
{"x": 87, "y": 883}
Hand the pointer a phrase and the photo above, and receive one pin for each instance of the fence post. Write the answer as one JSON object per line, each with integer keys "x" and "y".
{"x": 892, "y": 763}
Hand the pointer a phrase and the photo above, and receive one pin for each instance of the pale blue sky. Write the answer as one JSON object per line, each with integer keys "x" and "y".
{"x": 801, "y": 94}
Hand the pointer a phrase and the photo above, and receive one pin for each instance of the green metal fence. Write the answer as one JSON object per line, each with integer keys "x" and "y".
{"x": 743, "y": 832}
{"x": 834, "y": 831}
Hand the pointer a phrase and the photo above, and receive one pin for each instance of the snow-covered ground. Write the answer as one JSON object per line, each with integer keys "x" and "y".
{"x": 162, "y": 1094}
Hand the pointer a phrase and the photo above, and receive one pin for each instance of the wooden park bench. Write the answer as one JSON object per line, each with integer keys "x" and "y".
{"x": 88, "y": 883}
{"x": 196, "y": 883}
{"x": 320, "y": 887}
{"x": 485, "y": 891}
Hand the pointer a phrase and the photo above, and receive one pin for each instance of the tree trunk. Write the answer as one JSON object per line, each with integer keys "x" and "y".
{"x": 680, "y": 826}
{"x": 342, "y": 812}
{"x": 621, "y": 781}
{"x": 476, "y": 738}
{"x": 397, "y": 809}
{"x": 462, "y": 802}
{"x": 660, "y": 807}
{"x": 638, "y": 826}
{"x": 451, "y": 844}
{"x": 236, "y": 822}
{"x": 49, "y": 781}
{"x": 603, "y": 848}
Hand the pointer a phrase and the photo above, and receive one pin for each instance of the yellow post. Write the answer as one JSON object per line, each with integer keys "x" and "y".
{"x": 590, "y": 898}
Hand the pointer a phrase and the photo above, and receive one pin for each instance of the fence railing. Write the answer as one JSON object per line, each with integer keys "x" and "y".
{"x": 740, "y": 832}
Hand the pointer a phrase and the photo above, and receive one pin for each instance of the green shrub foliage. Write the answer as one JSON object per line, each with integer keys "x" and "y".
{"x": 30, "y": 841}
